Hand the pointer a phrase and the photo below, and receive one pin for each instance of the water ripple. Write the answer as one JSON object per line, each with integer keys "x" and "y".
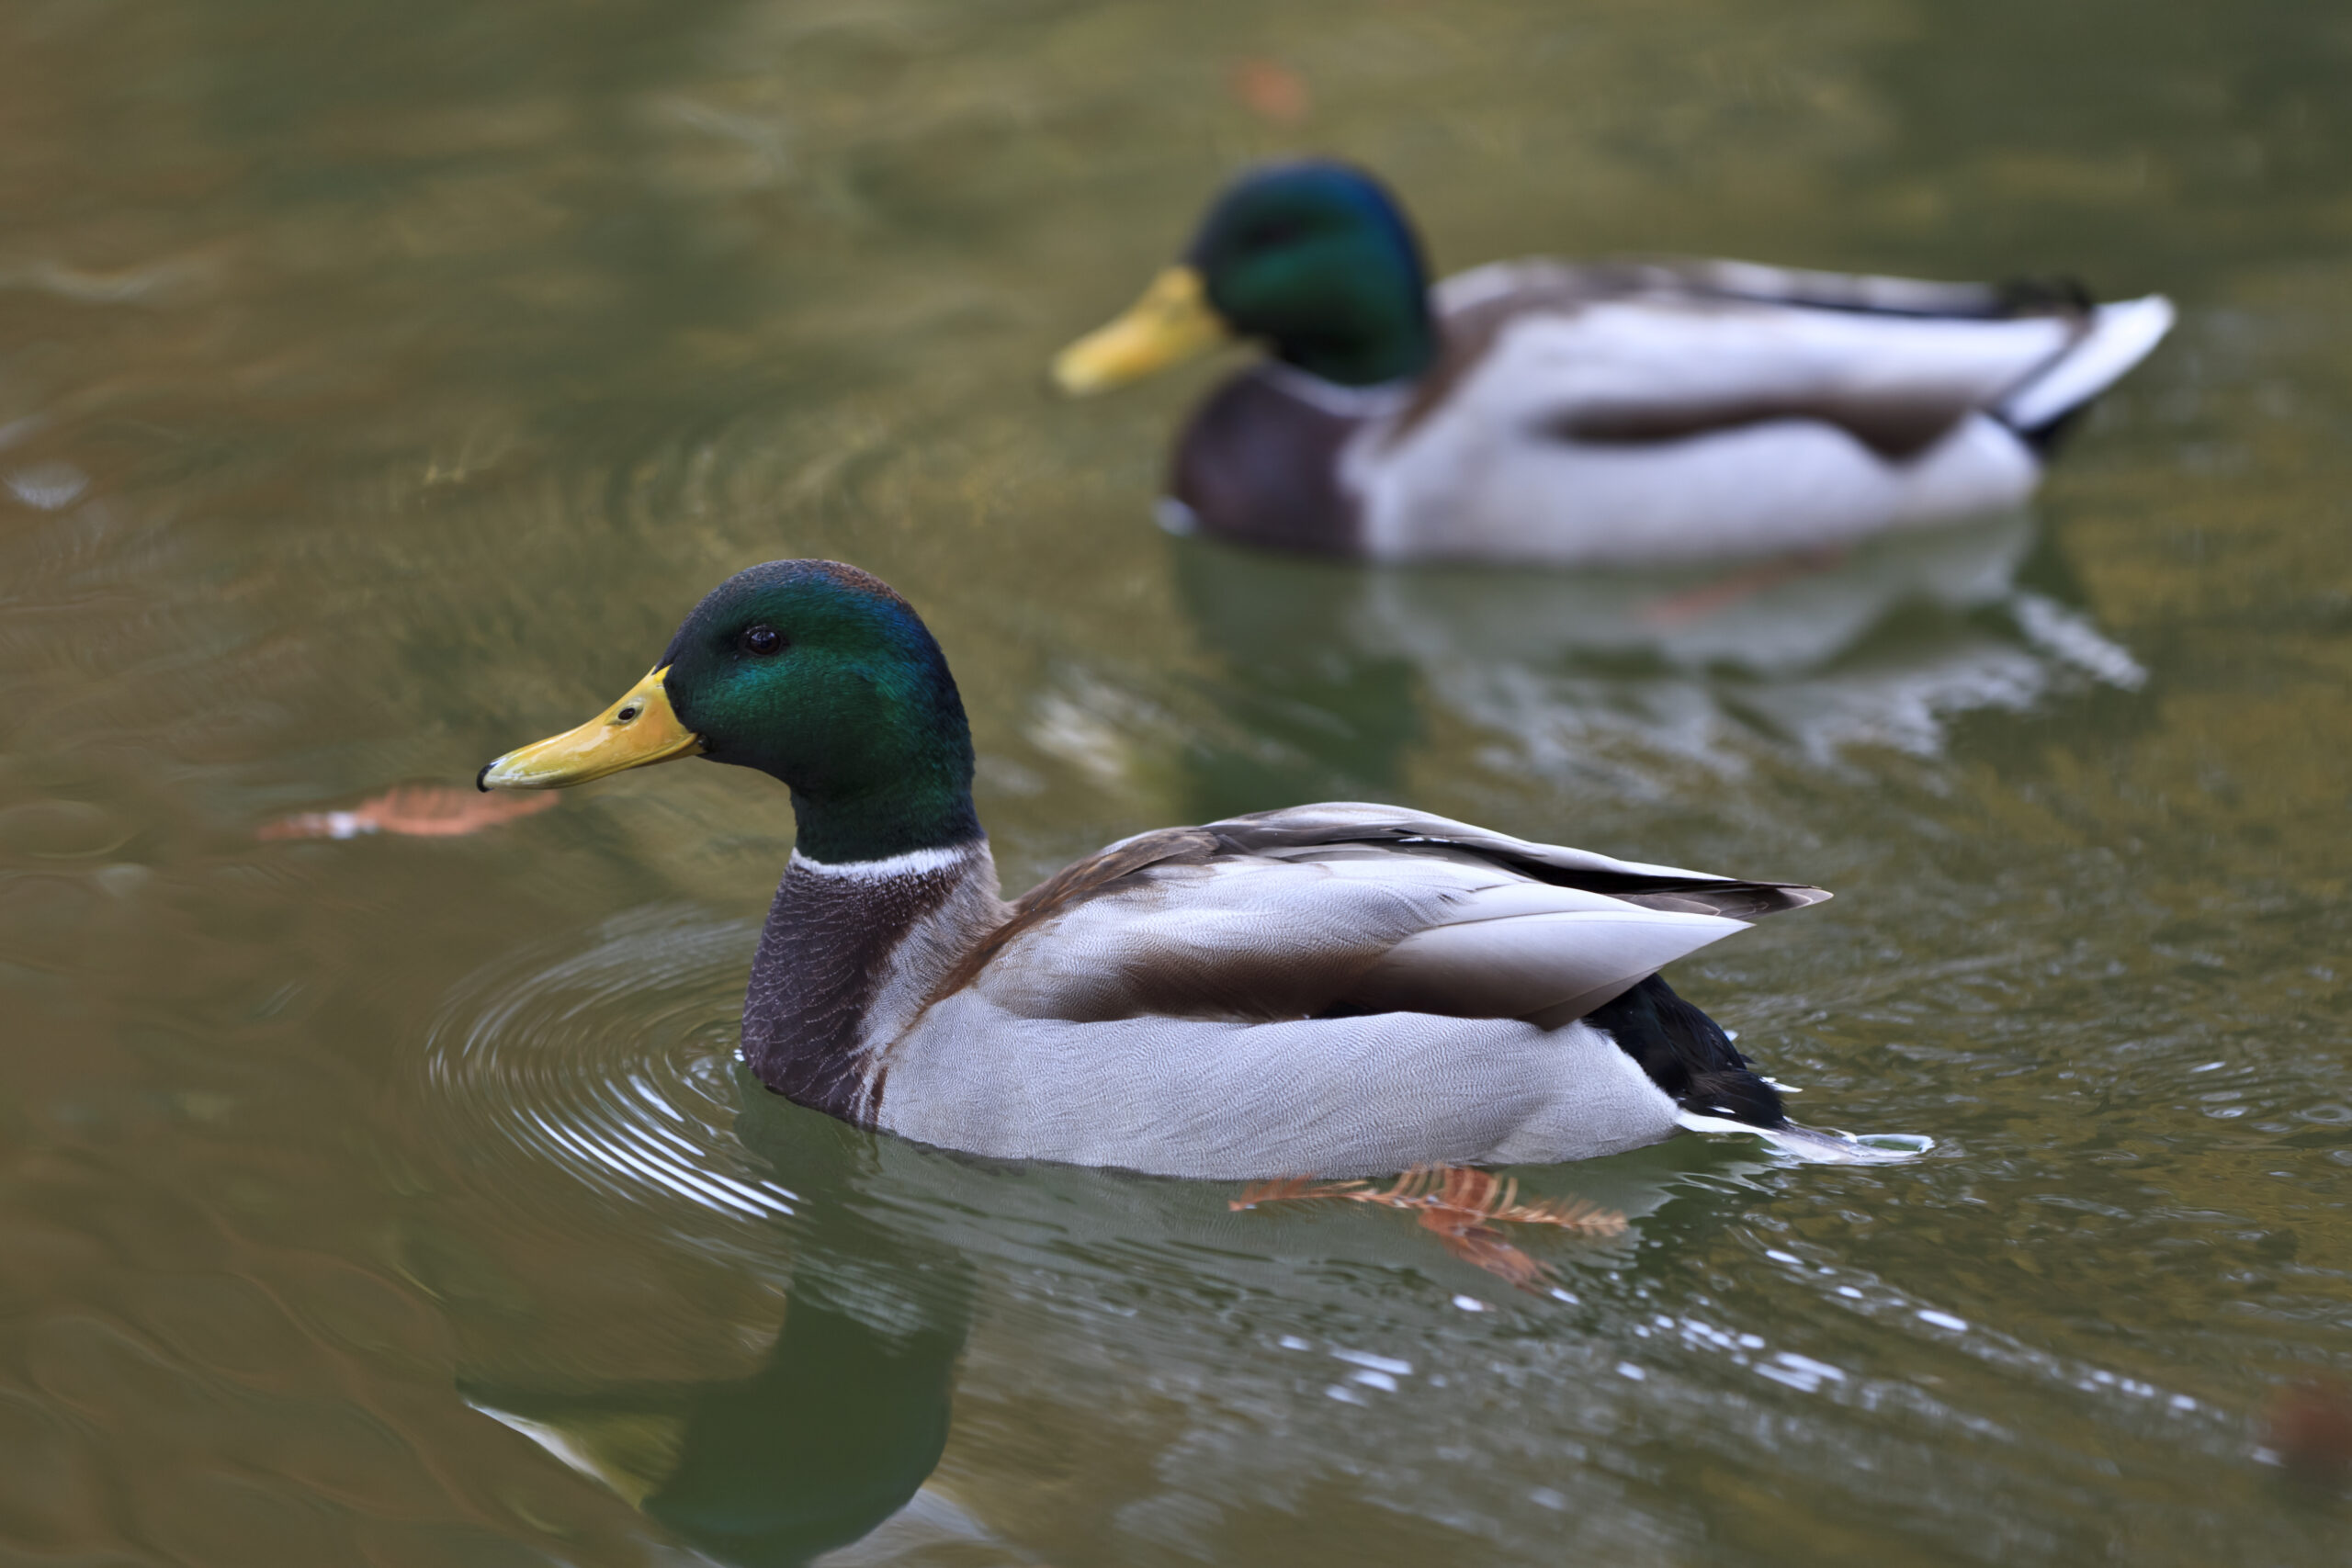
{"x": 610, "y": 1064}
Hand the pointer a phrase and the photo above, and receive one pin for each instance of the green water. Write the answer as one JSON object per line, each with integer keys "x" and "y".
{"x": 380, "y": 384}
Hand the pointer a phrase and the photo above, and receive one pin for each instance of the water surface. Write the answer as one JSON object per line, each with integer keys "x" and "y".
{"x": 380, "y": 384}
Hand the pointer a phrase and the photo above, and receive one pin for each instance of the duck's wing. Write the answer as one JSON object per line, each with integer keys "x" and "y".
{"x": 1641, "y": 353}
{"x": 1340, "y": 910}
{"x": 1303, "y": 830}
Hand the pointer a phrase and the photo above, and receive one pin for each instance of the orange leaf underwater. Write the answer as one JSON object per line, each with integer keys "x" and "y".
{"x": 1697, "y": 603}
{"x": 419, "y": 811}
{"x": 1271, "y": 90}
{"x": 2308, "y": 1427}
{"x": 1460, "y": 1207}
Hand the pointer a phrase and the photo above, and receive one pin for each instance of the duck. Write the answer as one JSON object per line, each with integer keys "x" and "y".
{"x": 1336, "y": 989}
{"x": 1630, "y": 413}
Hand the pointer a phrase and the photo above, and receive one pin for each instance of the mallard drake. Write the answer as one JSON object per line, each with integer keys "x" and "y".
{"x": 1335, "y": 990}
{"x": 1624, "y": 414}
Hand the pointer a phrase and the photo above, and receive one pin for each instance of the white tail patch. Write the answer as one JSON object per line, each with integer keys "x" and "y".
{"x": 2120, "y": 336}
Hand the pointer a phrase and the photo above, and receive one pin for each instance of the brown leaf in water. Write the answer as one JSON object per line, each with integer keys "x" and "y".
{"x": 419, "y": 811}
{"x": 1697, "y": 603}
{"x": 1460, "y": 1206}
{"x": 2309, "y": 1427}
{"x": 1271, "y": 90}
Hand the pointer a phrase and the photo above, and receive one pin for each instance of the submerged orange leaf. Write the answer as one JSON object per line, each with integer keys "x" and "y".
{"x": 1697, "y": 603}
{"x": 2308, "y": 1427}
{"x": 421, "y": 811}
{"x": 1271, "y": 90}
{"x": 1459, "y": 1206}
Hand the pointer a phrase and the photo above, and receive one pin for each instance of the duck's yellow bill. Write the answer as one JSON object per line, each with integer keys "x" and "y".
{"x": 1172, "y": 321}
{"x": 640, "y": 728}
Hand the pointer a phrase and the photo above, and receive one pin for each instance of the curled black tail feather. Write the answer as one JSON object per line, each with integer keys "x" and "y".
{"x": 1688, "y": 1055}
{"x": 2044, "y": 294}
{"x": 2045, "y": 438}
{"x": 2056, "y": 294}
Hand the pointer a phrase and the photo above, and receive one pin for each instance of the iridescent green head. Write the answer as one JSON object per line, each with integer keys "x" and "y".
{"x": 815, "y": 672}
{"x": 1313, "y": 257}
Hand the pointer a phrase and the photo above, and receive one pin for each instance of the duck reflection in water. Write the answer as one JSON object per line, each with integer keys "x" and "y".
{"x": 1329, "y": 672}
{"x": 834, "y": 1433}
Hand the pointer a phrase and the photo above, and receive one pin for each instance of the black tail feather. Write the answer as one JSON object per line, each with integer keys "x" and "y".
{"x": 2044, "y": 294}
{"x": 1688, "y": 1055}
{"x": 2053, "y": 294}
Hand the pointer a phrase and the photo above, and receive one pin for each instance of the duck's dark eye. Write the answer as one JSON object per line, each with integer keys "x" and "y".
{"x": 761, "y": 640}
{"x": 1274, "y": 235}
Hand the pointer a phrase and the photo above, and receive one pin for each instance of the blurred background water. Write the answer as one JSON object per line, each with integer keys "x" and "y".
{"x": 380, "y": 384}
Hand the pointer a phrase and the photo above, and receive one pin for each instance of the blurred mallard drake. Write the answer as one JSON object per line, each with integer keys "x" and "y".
{"x": 1334, "y": 990}
{"x": 1621, "y": 413}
